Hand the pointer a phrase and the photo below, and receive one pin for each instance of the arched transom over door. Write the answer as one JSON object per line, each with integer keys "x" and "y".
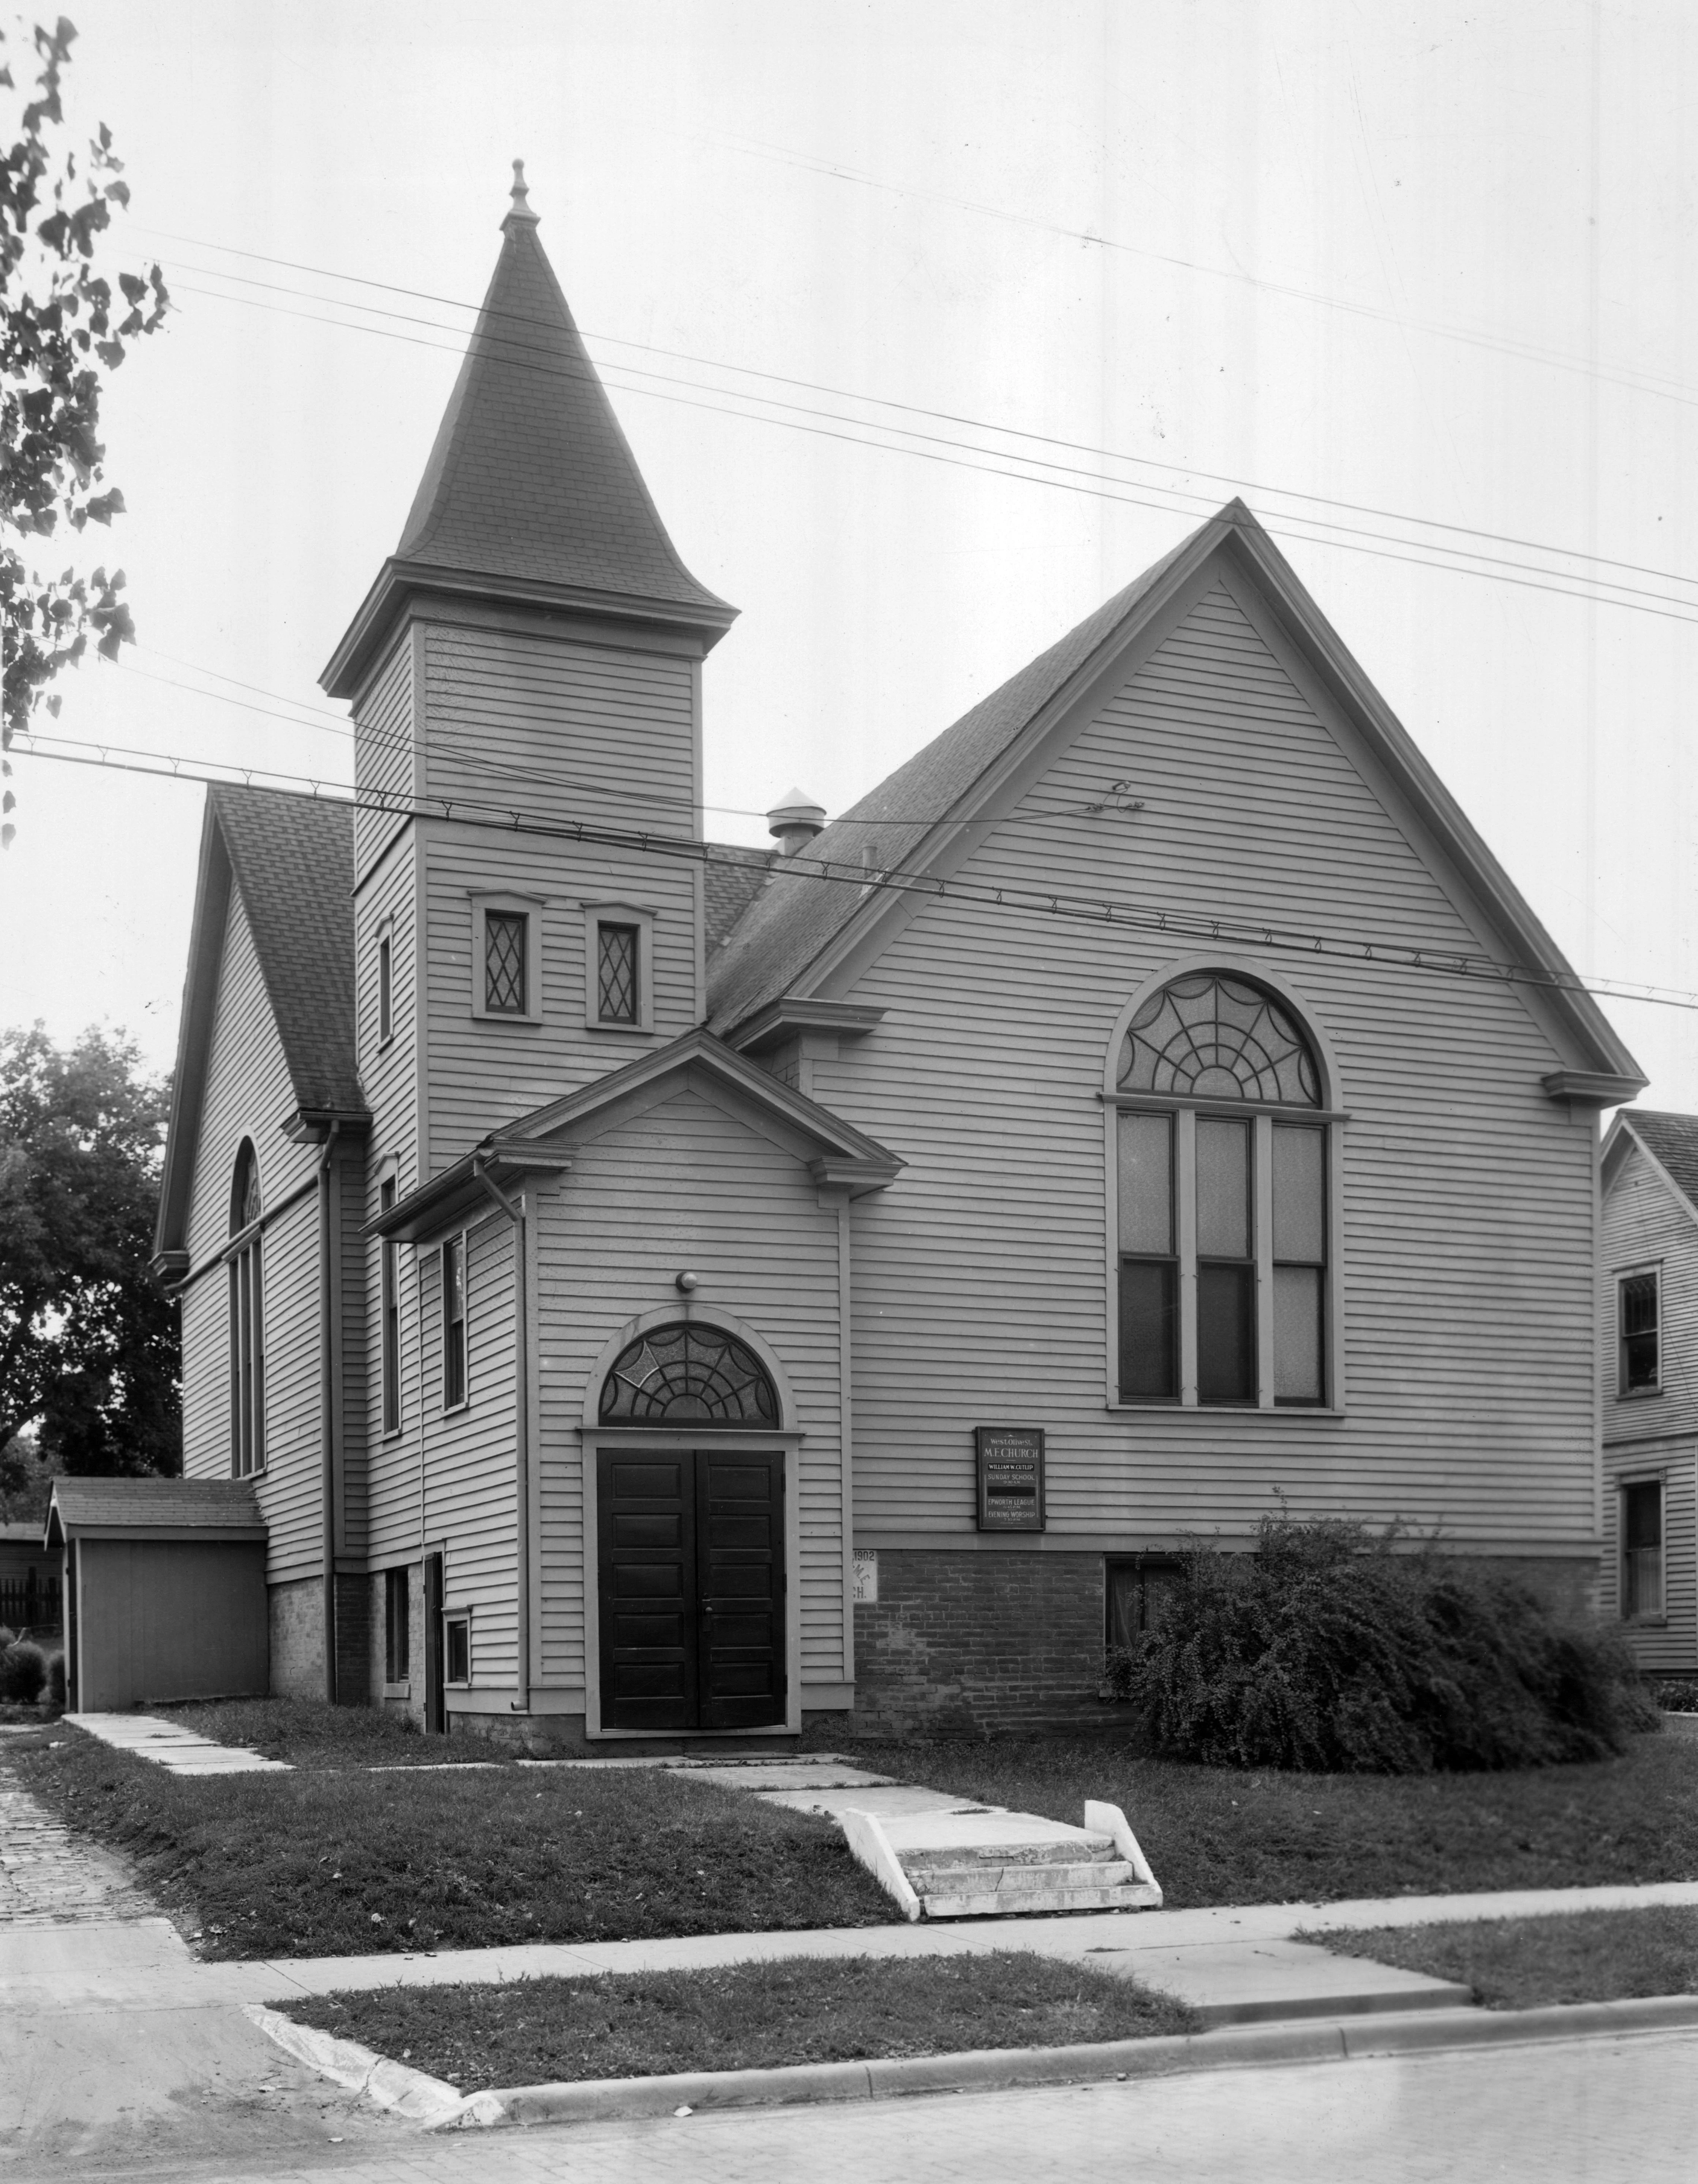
{"x": 690, "y": 1542}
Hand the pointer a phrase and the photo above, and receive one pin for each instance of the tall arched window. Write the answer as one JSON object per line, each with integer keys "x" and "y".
{"x": 1223, "y": 1211}
{"x": 688, "y": 1374}
{"x": 246, "y": 1321}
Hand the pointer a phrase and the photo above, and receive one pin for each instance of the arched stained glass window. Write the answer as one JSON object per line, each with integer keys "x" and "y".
{"x": 1212, "y": 1037}
{"x": 244, "y": 1189}
{"x": 688, "y": 1374}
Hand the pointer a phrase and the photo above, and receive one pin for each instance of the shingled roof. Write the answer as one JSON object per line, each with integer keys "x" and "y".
{"x": 1672, "y": 1140}
{"x": 531, "y": 490}
{"x": 795, "y": 916}
{"x": 292, "y": 858}
{"x": 225, "y": 1505}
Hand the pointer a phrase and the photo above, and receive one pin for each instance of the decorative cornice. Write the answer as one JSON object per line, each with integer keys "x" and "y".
{"x": 781, "y": 1020}
{"x": 1593, "y": 1088}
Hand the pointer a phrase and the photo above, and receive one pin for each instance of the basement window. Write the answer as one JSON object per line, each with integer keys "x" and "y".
{"x": 457, "y": 1649}
{"x": 396, "y": 1625}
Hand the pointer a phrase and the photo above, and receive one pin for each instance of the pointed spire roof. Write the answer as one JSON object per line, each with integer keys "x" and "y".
{"x": 531, "y": 490}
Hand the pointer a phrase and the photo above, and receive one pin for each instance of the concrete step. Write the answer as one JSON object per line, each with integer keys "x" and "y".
{"x": 1073, "y": 1848}
{"x": 991, "y": 1903}
{"x": 1017, "y": 1881}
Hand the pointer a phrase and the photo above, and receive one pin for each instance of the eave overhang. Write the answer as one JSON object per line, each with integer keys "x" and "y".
{"x": 313, "y": 1126}
{"x": 1593, "y": 1088}
{"x": 435, "y": 1206}
{"x": 400, "y": 583}
{"x": 780, "y": 1021}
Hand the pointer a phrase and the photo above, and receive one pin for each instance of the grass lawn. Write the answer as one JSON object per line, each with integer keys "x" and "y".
{"x": 742, "y": 2017}
{"x": 312, "y": 1733}
{"x": 1522, "y": 1963}
{"x": 1216, "y": 1835}
{"x": 323, "y": 1863}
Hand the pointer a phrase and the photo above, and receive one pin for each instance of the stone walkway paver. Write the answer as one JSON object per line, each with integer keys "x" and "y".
{"x": 150, "y": 1736}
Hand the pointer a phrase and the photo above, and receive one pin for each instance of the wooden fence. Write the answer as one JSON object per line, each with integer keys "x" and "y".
{"x": 31, "y": 1605}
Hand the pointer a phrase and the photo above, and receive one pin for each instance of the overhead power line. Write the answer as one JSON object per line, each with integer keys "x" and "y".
{"x": 1438, "y": 960}
{"x": 1312, "y": 531}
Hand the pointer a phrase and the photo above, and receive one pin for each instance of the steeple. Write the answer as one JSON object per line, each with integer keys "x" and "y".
{"x": 530, "y": 492}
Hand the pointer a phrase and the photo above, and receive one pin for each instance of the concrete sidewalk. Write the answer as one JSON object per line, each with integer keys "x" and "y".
{"x": 1236, "y": 1964}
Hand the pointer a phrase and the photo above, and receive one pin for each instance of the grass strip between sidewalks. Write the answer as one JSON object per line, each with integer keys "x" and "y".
{"x": 321, "y": 1863}
{"x": 1226, "y": 1836}
{"x": 1528, "y": 1964}
{"x": 313, "y": 1733}
{"x": 741, "y": 2017}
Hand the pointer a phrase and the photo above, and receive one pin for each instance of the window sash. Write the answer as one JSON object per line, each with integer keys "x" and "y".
{"x": 457, "y": 1649}
{"x": 1641, "y": 1550}
{"x": 619, "y": 967}
{"x": 246, "y": 1365}
{"x": 396, "y": 1626}
{"x": 453, "y": 1322}
{"x": 1638, "y": 1329}
{"x": 506, "y": 963}
{"x": 1249, "y": 1324}
{"x": 390, "y": 1310}
{"x": 385, "y": 991}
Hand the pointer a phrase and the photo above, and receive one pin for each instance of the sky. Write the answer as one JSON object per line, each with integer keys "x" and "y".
{"x": 930, "y": 326}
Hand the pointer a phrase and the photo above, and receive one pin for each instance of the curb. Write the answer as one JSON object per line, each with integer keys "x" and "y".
{"x": 394, "y": 2086}
{"x": 1333, "y": 2040}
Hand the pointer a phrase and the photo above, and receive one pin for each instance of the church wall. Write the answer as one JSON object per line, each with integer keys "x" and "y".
{"x": 982, "y": 1291}
{"x": 483, "y": 1071}
{"x": 248, "y": 1094}
{"x": 687, "y": 1185}
{"x": 467, "y": 1504}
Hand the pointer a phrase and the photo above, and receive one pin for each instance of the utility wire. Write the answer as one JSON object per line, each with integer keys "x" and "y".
{"x": 1444, "y": 961}
{"x": 886, "y": 402}
{"x": 1421, "y": 553}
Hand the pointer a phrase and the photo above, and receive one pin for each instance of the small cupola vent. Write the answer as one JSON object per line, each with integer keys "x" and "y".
{"x": 795, "y": 819}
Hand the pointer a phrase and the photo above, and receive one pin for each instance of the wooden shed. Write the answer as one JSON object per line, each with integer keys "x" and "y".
{"x": 164, "y": 1590}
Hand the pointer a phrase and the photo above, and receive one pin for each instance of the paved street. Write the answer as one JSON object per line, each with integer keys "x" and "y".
{"x": 1584, "y": 2112}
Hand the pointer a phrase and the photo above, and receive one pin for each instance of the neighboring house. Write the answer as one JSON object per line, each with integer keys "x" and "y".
{"x": 1648, "y": 1322}
{"x": 29, "y": 1581}
{"x": 662, "y": 1290}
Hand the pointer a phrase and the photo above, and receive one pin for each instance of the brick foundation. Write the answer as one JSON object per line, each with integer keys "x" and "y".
{"x": 353, "y": 1640}
{"x": 297, "y": 1640}
{"x": 970, "y": 1644}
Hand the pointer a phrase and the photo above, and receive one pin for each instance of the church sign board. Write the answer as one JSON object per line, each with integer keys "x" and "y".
{"x": 1010, "y": 1477}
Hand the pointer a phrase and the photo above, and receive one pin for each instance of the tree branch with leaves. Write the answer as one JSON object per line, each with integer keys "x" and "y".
{"x": 64, "y": 324}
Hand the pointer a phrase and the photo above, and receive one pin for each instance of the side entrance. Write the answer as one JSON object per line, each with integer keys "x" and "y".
{"x": 692, "y": 1589}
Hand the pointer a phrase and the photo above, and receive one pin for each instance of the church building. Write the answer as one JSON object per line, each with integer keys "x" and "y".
{"x": 644, "y": 1288}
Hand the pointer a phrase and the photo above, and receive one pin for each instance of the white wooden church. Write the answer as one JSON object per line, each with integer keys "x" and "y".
{"x": 641, "y": 1288}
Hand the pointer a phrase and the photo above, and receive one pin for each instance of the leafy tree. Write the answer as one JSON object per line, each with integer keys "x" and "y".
{"x": 88, "y": 1345}
{"x": 26, "y": 1479}
{"x": 61, "y": 325}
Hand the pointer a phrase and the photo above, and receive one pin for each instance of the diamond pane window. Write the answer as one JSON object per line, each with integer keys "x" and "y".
{"x": 1211, "y": 1038}
{"x": 617, "y": 973}
{"x": 503, "y": 961}
{"x": 687, "y": 1373}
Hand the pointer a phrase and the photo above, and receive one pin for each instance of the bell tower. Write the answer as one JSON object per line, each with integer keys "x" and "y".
{"x": 525, "y": 677}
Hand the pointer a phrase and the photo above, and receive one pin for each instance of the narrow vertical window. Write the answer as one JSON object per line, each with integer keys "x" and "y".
{"x": 453, "y": 1322}
{"x": 247, "y": 1322}
{"x": 396, "y": 1625}
{"x": 1226, "y": 1263}
{"x": 1642, "y": 1549}
{"x": 617, "y": 971}
{"x": 457, "y": 1650}
{"x": 385, "y": 992}
{"x": 506, "y": 935}
{"x": 1638, "y": 1318}
{"x": 1149, "y": 1264}
{"x": 390, "y": 1308}
{"x": 1300, "y": 1262}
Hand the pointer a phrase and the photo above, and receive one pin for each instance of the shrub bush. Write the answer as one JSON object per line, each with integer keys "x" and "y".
{"x": 1325, "y": 1650}
{"x": 1676, "y": 1694}
{"x": 23, "y": 1671}
{"x": 55, "y": 1693}
{"x": 8, "y": 1636}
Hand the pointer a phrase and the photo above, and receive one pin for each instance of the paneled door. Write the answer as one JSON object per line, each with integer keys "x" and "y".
{"x": 692, "y": 1589}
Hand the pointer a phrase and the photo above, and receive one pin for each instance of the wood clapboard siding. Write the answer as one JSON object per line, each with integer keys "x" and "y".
{"x": 248, "y": 1094}
{"x": 484, "y": 1073}
{"x": 600, "y": 734}
{"x": 355, "y": 1421}
{"x": 1468, "y": 1204}
{"x": 1670, "y": 1648}
{"x": 1645, "y": 1223}
{"x": 687, "y": 1184}
{"x": 469, "y": 1453}
{"x": 383, "y": 754}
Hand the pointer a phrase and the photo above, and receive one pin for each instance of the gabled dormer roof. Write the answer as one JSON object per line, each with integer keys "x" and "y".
{"x": 291, "y": 860}
{"x": 1671, "y": 1143}
{"x": 809, "y": 933}
{"x": 532, "y": 493}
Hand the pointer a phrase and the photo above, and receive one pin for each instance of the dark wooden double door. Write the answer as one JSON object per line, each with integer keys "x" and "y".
{"x": 692, "y": 1589}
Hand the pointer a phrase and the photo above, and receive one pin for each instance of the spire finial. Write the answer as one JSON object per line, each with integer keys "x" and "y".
{"x": 521, "y": 199}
